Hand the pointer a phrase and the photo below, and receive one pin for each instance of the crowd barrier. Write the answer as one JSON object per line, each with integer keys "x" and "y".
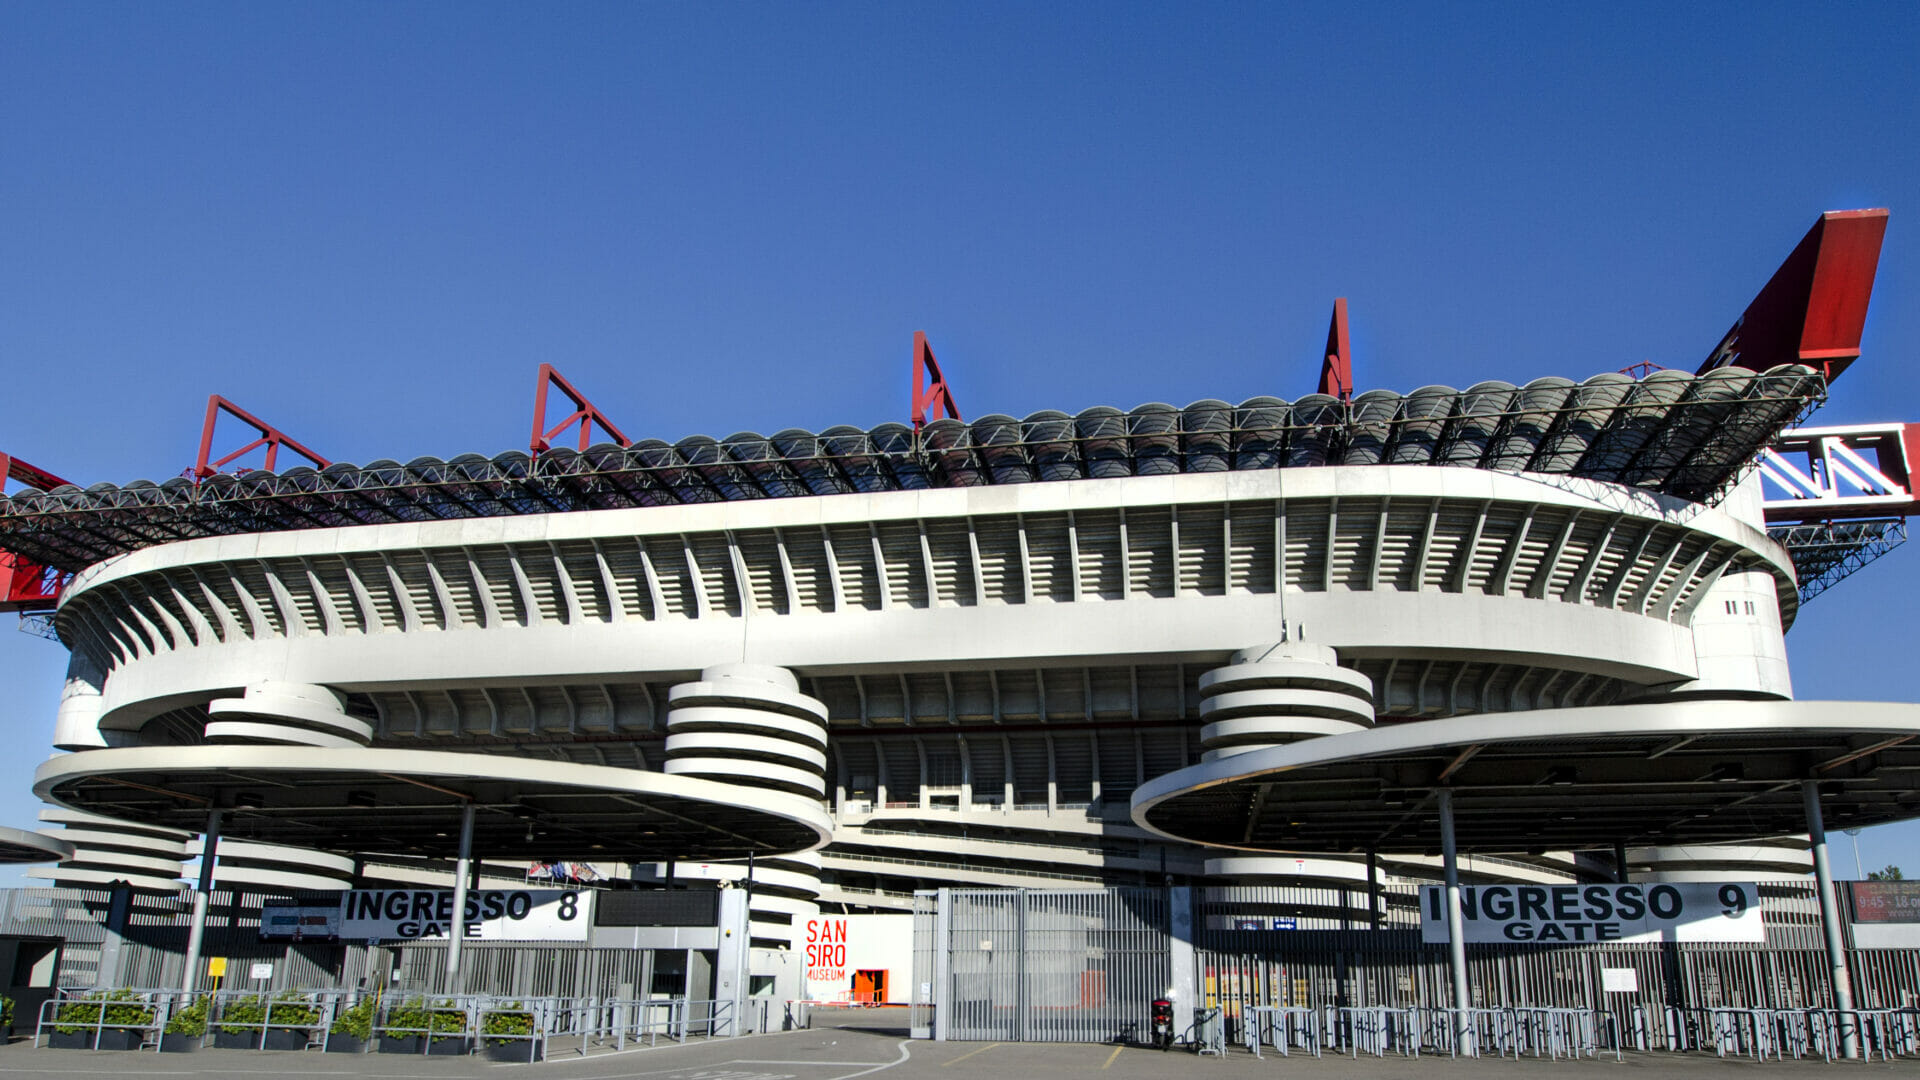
{"x": 516, "y": 1028}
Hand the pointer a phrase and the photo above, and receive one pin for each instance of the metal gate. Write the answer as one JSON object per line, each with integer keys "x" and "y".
{"x": 1031, "y": 965}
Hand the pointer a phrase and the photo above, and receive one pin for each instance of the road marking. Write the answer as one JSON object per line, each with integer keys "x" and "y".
{"x": 803, "y": 1063}
{"x": 906, "y": 1051}
{"x": 969, "y": 1054}
{"x": 1115, "y": 1054}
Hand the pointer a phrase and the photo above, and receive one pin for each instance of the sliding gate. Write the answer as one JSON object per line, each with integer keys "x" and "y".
{"x": 1031, "y": 965}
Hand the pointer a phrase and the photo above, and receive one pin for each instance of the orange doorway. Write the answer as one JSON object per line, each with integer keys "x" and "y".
{"x": 870, "y": 987}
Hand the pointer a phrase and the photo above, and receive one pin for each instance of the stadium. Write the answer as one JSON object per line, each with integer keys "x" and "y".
{"x": 1103, "y": 649}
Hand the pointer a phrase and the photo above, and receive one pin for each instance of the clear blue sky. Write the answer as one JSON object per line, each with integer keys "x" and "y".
{"x": 370, "y": 222}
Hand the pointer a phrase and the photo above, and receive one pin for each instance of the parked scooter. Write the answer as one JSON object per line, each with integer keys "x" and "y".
{"x": 1163, "y": 1023}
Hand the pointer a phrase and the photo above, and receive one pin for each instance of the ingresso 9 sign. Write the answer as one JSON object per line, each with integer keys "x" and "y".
{"x": 1504, "y": 914}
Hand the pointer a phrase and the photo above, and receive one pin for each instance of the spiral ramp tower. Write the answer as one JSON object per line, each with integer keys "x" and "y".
{"x": 286, "y": 714}
{"x": 1271, "y": 695}
{"x": 283, "y": 714}
{"x": 109, "y": 850}
{"x": 749, "y": 725}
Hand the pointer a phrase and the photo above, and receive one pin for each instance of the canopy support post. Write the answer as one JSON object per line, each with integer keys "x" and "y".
{"x": 1830, "y": 923}
{"x": 457, "y": 930}
{"x": 1456, "y": 930}
{"x": 197, "y": 930}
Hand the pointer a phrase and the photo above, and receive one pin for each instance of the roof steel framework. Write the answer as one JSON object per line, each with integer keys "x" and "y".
{"x": 1671, "y": 433}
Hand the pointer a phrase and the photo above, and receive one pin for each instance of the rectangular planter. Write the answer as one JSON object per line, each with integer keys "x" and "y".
{"x": 450, "y": 1045}
{"x": 175, "y": 1043}
{"x": 286, "y": 1039}
{"x": 236, "y": 1040}
{"x": 346, "y": 1044}
{"x": 119, "y": 1039}
{"x": 75, "y": 1040}
{"x": 524, "y": 1050}
{"x": 399, "y": 1044}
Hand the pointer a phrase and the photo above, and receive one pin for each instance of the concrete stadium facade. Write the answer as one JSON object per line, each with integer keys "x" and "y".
{"x": 971, "y": 680}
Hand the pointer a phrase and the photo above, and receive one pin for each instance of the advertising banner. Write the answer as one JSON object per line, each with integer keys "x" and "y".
{"x": 1885, "y": 901}
{"x": 491, "y": 914}
{"x": 1505, "y": 914}
{"x": 299, "y": 922}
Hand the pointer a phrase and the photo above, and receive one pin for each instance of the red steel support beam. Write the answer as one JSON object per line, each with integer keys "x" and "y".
{"x": 1336, "y": 372}
{"x": 12, "y": 468}
{"x": 584, "y": 413}
{"x": 1814, "y": 307}
{"x": 270, "y": 437}
{"x": 25, "y": 585}
{"x": 930, "y": 389}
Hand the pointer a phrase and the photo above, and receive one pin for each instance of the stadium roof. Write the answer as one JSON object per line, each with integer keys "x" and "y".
{"x": 1670, "y": 432}
{"x": 1678, "y": 772}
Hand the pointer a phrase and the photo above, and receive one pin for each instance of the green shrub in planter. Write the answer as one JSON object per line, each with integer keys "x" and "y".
{"x": 408, "y": 1018}
{"x": 243, "y": 1016}
{"x": 447, "y": 1021}
{"x": 289, "y": 1009}
{"x": 513, "y": 1020}
{"x": 108, "y": 1008}
{"x": 417, "y": 1017}
{"x": 355, "y": 1020}
{"x": 191, "y": 1020}
{"x": 6, "y": 1011}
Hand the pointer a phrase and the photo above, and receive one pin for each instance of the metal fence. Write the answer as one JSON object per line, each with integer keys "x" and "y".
{"x": 1083, "y": 966}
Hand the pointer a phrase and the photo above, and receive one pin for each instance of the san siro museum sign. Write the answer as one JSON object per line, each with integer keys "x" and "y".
{"x": 1557, "y": 914}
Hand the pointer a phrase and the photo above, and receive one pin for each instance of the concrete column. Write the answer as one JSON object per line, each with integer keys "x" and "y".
{"x": 119, "y": 907}
{"x": 197, "y": 930}
{"x": 727, "y": 972}
{"x": 1456, "y": 930}
{"x": 457, "y": 933}
{"x": 1620, "y": 862}
{"x": 1830, "y": 921}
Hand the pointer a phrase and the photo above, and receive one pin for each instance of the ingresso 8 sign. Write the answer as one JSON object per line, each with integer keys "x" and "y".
{"x": 491, "y": 914}
{"x": 1503, "y": 914}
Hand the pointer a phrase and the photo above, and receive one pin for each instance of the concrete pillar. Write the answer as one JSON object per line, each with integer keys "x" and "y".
{"x": 119, "y": 908}
{"x": 1830, "y": 921}
{"x": 1456, "y": 930}
{"x": 197, "y": 929}
{"x": 730, "y": 964}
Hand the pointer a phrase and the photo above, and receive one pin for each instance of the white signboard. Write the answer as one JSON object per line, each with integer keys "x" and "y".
{"x": 261, "y": 971}
{"x": 863, "y": 958}
{"x": 1503, "y": 914}
{"x": 491, "y": 914}
{"x": 1620, "y": 980}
